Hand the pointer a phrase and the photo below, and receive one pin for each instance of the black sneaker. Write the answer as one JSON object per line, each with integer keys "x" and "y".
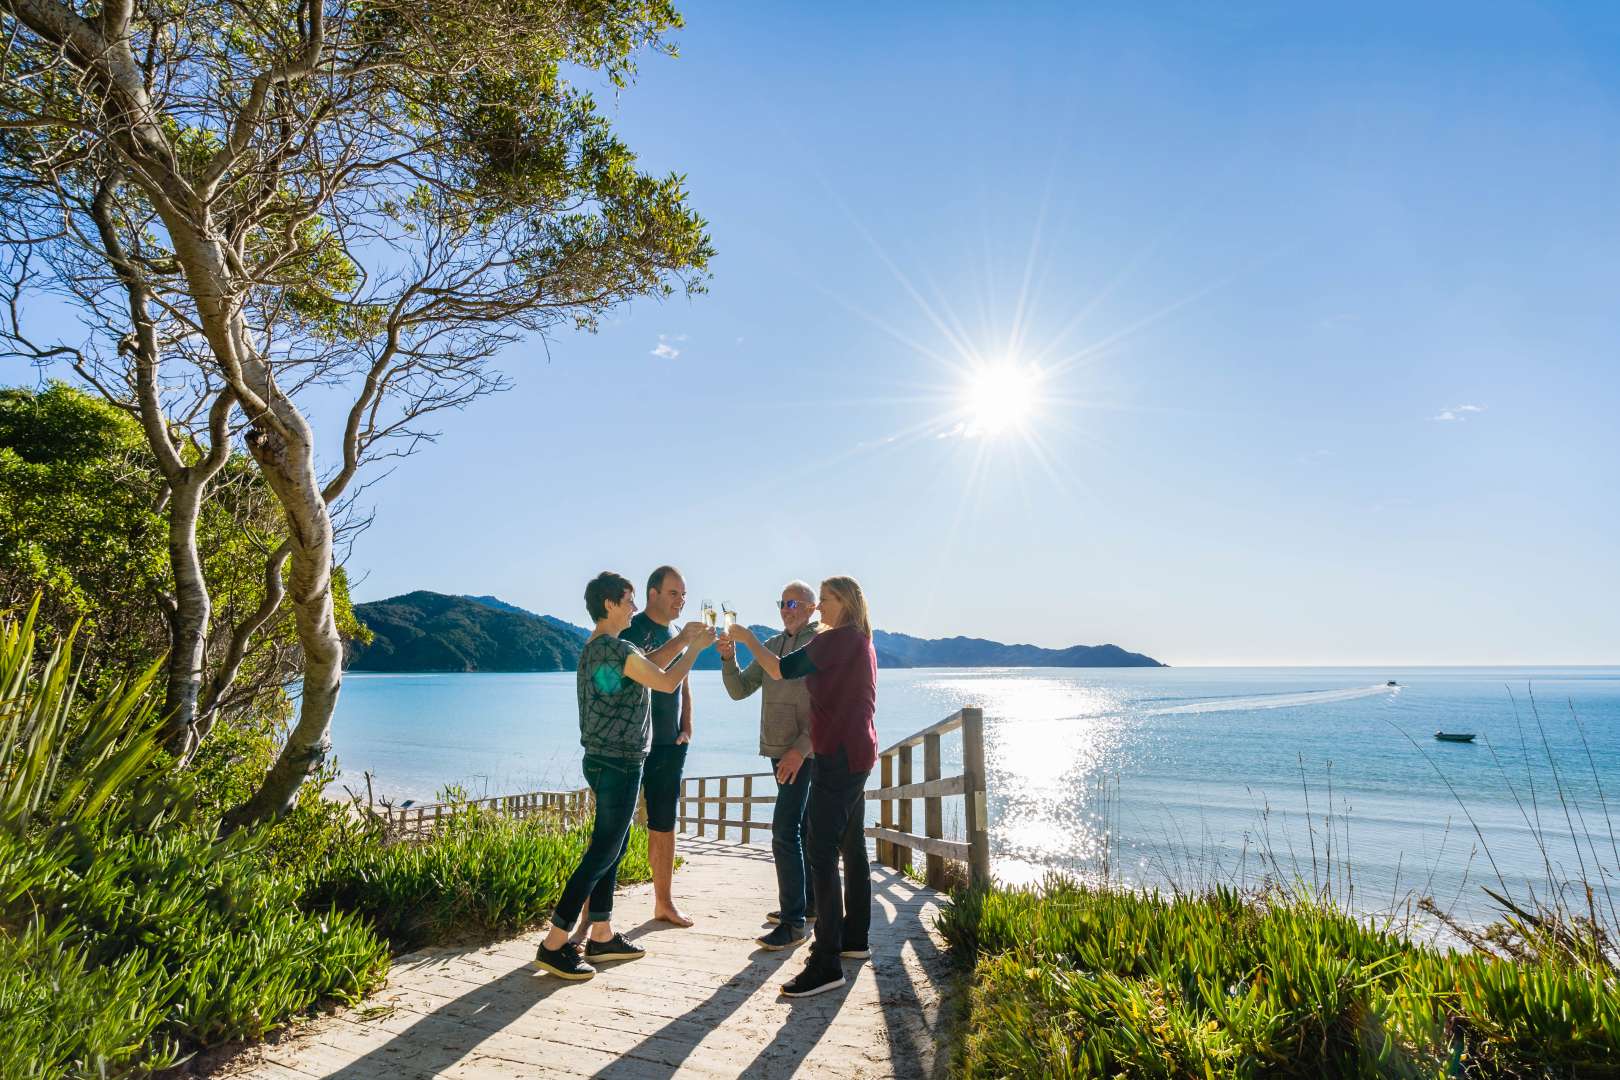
{"x": 614, "y": 948}
{"x": 785, "y": 936}
{"x": 775, "y": 917}
{"x": 564, "y": 962}
{"x": 855, "y": 951}
{"x": 813, "y": 980}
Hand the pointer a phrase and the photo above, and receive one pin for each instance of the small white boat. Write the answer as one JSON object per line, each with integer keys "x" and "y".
{"x": 1454, "y": 736}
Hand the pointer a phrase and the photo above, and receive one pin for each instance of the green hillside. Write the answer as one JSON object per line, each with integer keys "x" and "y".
{"x": 427, "y": 631}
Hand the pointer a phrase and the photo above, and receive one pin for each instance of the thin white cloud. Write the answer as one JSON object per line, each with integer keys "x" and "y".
{"x": 666, "y": 349}
{"x": 1456, "y": 414}
{"x": 960, "y": 430}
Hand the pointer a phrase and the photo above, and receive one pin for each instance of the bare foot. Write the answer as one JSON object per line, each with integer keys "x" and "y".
{"x": 671, "y": 915}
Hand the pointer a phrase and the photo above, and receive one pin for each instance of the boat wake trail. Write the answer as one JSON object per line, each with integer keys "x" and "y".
{"x": 1274, "y": 701}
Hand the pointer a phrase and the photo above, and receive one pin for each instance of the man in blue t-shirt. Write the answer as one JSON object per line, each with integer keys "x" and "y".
{"x": 671, "y": 732}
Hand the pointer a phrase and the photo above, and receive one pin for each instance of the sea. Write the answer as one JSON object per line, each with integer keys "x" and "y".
{"x": 1167, "y": 778}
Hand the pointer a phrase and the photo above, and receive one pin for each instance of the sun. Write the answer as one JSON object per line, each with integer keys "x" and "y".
{"x": 999, "y": 398}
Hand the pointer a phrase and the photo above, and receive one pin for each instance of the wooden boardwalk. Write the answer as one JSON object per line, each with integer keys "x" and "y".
{"x": 703, "y": 1002}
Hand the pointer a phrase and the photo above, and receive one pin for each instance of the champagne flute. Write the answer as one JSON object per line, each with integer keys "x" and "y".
{"x": 729, "y": 617}
{"x": 709, "y": 615}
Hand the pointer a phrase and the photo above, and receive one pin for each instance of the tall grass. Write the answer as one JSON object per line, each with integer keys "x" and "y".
{"x": 1287, "y": 976}
{"x": 1073, "y": 980}
{"x": 479, "y": 876}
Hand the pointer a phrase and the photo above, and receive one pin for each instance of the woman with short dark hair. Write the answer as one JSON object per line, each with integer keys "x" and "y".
{"x": 615, "y": 728}
{"x": 839, "y": 667}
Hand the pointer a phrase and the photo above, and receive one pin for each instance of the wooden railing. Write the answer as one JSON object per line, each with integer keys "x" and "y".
{"x": 565, "y": 807}
{"x": 719, "y": 792}
{"x": 895, "y": 839}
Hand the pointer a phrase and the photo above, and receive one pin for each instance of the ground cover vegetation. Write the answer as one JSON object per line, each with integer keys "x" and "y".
{"x": 133, "y": 934}
{"x": 1079, "y": 978}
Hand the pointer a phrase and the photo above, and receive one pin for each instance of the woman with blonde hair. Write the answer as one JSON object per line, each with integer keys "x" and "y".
{"x": 839, "y": 667}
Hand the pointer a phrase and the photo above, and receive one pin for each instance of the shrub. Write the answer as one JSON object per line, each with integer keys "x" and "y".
{"x": 1072, "y": 980}
{"x": 481, "y": 875}
{"x": 128, "y": 947}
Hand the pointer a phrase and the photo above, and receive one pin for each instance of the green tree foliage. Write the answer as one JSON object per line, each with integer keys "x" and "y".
{"x": 79, "y": 520}
{"x": 377, "y": 195}
{"x": 81, "y": 523}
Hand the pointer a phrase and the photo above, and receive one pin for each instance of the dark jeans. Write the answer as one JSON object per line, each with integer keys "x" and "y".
{"x": 661, "y": 781}
{"x": 835, "y": 825}
{"x": 787, "y": 847}
{"x": 616, "y": 782}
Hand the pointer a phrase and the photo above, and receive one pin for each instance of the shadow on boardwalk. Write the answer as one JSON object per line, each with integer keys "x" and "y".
{"x": 703, "y": 1003}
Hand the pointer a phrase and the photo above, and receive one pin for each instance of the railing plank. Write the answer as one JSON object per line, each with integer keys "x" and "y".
{"x": 735, "y": 823}
{"x": 978, "y": 835}
{"x": 944, "y": 727}
{"x": 950, "y": 849}
{"x": 902, "y": 855}
{"x": 885, "y": 850}
{"x": 947, "y": 785}
{"x": 933, "y": 821}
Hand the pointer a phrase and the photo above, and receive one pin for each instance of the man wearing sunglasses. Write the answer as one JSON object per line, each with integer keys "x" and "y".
{"x": 784, "y": 737}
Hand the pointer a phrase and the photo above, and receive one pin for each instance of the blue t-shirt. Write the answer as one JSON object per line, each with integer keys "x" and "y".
{"x": 649, "y": 635}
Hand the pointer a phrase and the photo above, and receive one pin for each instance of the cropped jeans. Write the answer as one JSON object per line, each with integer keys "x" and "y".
{"x": 616, "y": 783}
{"x": 835, "y": 826}
{"x": 787, "y": 844}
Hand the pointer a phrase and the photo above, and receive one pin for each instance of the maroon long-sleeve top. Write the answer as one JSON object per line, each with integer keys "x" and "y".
{"x": 839, "y": 667}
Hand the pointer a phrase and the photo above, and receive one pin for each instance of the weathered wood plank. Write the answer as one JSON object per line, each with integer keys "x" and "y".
{"x": 950, "y": 849}
{"x": 949, "y": 785}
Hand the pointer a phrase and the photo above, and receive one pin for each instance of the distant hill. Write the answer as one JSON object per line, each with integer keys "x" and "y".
{"x": 501, "y": 605}
{"x": 977, "y": 652}
{"x": 428, "y": 631}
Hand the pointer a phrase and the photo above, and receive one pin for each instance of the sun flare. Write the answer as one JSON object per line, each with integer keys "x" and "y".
{"x": 1001, "y": 398}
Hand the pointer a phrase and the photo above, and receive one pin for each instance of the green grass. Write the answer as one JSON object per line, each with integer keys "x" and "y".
{"x": 481, "y": 876}
{"x": 1075, "y": 981}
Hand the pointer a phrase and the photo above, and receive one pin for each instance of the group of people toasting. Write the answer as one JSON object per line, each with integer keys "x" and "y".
{"x": 818, "y": 680}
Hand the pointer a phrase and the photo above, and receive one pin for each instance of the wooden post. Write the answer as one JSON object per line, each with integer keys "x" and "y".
{"x": 978, "y": 835}
{"x": 885, "y": 850}
{"x": 703, "y": 792}
{"x": 686, "y": 803}
{"x": 720, "y": 818}
{"x": 933, "y": 819}
{"x": 641, "y": 809}
{"x": 748, "y": 808}
{"x": 902, "y": 855}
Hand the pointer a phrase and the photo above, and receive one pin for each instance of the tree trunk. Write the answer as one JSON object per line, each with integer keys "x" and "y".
{"x": 288, "y": 466}
{"x": 188, "y": 630}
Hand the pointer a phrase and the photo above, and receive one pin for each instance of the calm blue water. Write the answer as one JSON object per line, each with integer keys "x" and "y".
{"x": 1154, "y": 775}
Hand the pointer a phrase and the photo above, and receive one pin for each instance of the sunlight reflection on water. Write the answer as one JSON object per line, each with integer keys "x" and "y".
{"x": 1048, "y": 769}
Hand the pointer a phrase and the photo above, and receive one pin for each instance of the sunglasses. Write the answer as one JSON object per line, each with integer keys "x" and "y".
{"x": 794, "y": 605}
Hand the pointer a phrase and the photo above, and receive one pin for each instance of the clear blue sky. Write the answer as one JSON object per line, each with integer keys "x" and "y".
{"x": 1264, "y": 253}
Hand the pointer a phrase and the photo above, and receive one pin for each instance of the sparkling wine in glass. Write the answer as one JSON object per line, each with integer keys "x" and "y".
{"x": 709, "y": 615}
{"x": 728, "y": 617}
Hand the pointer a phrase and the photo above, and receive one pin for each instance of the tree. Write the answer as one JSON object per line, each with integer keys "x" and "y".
{"x": 81, "y": 529}
{"x": 377, "y": 195}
